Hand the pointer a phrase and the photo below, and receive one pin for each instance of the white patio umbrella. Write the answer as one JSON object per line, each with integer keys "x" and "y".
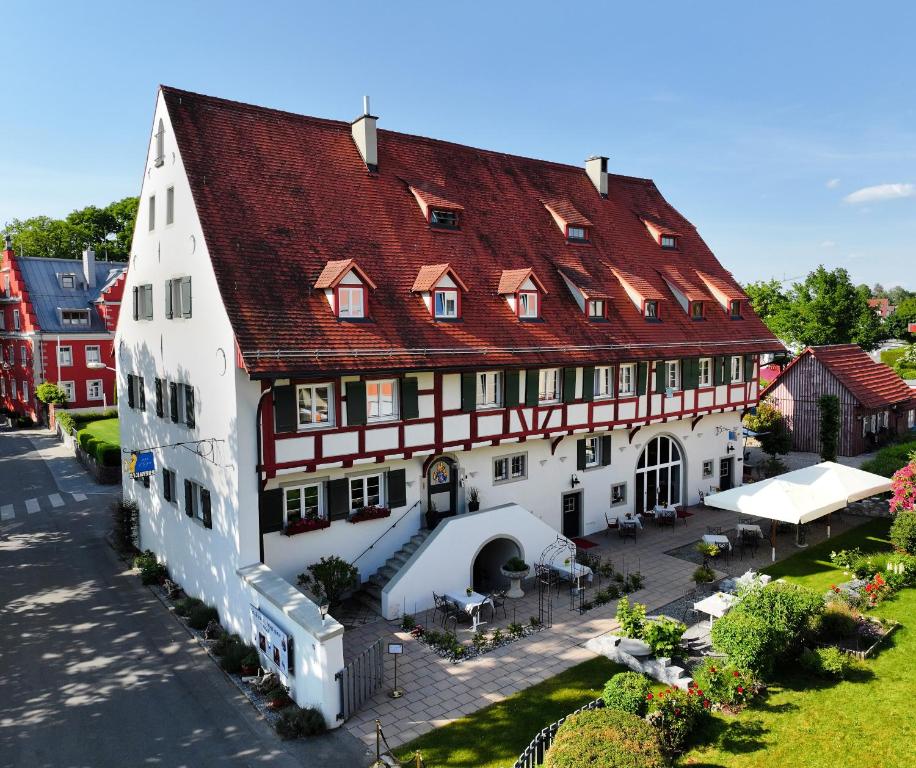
{"x": 802, "y": 495}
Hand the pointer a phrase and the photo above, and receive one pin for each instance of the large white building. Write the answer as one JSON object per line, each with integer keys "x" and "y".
{"x": 340, "y": 331}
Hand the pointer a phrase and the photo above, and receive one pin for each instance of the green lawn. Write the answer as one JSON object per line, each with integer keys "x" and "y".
{"x": 494, "y": 737}
{"x": 104, "y": 429}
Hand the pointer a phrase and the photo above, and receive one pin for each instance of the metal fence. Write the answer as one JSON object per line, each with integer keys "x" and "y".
{"x": 360, "y": 679}
{"x": 534, "y": 753}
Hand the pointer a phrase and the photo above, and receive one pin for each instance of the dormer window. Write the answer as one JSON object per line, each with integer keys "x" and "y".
{"x": 74, "y": 317}
{"x": 734, "y": 309}
{"x": 522, "y": 291}
{"x": 443, "y": 219}
{"x": 528, "y": 304}
{"x": 595, "y": 309}
{"x": 68, "y": 281}
{"x": 577, "y": 234}
{"x": 570, "y": 222}
{"x": 651, "y": 310}
{"x": 440, "y": 288}
{"x": 445, "y": 303}
{"x": 346, "y": 287}
{"x": 351, "y": 302}
{"x": 668, "y": 242}
{"x": 696, "y": 310}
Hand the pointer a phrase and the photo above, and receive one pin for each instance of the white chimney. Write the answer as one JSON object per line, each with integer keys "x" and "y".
{"x": 596, "y": 168}
{"x": 363, "y": 129}
{"x": 89, "y": 266}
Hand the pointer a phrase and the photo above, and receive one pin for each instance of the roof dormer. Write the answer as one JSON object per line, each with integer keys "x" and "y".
{"x": 729, "y": 296}
{"x": 666, "y": 237}
{"x": 439, "y": 212}
{"x": 574, "y": 226}
{"x": 346, "y": 287}
{"x": 441, "y": 289}
{"x": 645, "y": 296}
{"x": 592, "y": 300}
{"x": 692, "y": 299}
{"x": 523, "y": 292}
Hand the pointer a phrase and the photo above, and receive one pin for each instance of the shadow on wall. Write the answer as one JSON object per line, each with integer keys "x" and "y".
{"x": 487, "y": 576}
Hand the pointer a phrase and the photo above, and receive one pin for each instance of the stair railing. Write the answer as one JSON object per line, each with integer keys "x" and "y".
{"x": 385, "y": 532}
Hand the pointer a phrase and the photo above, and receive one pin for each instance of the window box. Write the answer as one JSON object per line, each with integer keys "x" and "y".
{"x": 305, "y": 525}
{"x": 369, "y": 513}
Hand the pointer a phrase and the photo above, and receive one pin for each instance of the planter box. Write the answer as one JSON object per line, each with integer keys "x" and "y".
{"x": 370, "y": 513}
{"x": 306, "y": 526}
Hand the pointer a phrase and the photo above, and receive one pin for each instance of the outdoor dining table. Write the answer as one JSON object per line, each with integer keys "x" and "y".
{"x": 720, "y": 540}
{"x": 622, "y": 519}
{"x": 573, "y": 572}
{"x": 716, "y": 606}
{"x": 750, "y": 528}
{"x": 470, "y": 604}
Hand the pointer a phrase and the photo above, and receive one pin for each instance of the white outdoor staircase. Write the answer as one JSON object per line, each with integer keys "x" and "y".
{"x": 371, "y": 593}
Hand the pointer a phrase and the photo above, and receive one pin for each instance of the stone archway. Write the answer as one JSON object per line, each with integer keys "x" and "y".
{"x": 485, "y": 568}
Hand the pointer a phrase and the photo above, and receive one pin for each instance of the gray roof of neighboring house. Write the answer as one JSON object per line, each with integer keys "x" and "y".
{"x": 42, "y": 280}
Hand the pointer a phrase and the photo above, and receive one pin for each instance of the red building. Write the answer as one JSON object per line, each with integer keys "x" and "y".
{"x": 57, "y": 323}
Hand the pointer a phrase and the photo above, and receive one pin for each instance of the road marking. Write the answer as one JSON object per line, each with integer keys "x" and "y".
{"x": 6, "y": 512}
{"x": 56, "y": 500}
{"x": 79, "y": 497}
{"x": 31, "y": 506}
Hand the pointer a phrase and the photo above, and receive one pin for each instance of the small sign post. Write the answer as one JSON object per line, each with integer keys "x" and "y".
{"x": 396, "y": 649}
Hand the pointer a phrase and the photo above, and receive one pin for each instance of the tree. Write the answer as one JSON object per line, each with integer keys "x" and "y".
{"x": 769, "y": 302}
{"x": 829, "y": 406}
{"x": 896, "y": 326}
{"x": 108, "y": 230}
{"x": 773, "y": 432}
{"x": 49, "y": 393}
{"x": 898, "y": 294}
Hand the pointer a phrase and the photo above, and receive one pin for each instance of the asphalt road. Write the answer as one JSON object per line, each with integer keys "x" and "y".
{"x": 94, "y": 671}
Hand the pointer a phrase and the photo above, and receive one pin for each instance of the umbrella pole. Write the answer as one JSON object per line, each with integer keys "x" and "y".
{"x": 773, "y": 539}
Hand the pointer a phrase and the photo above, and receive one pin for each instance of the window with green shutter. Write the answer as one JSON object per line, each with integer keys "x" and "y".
{"x": 531, "y": 386}
{"x": 270, "y": 510}
{"x": 468, "y": 392}
{"x": 285, "y": 408}
{"x": 356, "y": 402}
{"x": 642, "y": 376}
{"x": 569, "y": 385}
{"x": 410, "y": 405}
{"x": 588, "y": 383}
{"x": 749, "y": 367}
{"x": 605, "y": 450}
{"x": 719, "y": 372}
{"x": 339, "y": 499}
{"x": 396, "y": 487}
{"x": 511, "y": 394}
{"x": 659, "y": 375}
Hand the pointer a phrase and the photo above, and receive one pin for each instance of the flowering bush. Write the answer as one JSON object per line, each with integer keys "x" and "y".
{"x": 724, "y": 683}
{"x": 903, "y": 532}
{"x": 676, "y": 714}
{"x": 369, "y": 513}
{"x": 876, "y": 590}
{"x": 903, "y": 488}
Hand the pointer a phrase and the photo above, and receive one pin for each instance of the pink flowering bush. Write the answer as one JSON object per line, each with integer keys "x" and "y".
{"x": 903, "y": 488}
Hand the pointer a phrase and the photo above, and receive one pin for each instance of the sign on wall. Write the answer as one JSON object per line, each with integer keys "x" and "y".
{"x": 140, "y": 464}
{"x": 270, "y": 640}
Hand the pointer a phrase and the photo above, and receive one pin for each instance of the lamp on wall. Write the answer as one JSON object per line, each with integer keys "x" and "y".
{"x": 730, "y": 447}
{"x": 574, "y": 481}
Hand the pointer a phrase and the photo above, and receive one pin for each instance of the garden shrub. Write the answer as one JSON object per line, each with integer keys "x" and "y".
{"x": 294, "y": 723}
{"x": 703, "y": 574}
{"x": 903, "y": 532}
{"x": 627, "y": 692}
{"x": 723, "y": 683}
{"x": 747, "y": 640}
{"x": 65, "y": 420}
{"x": 237, "y": 653}
{"x": 201, "y": 615}
{"x": 107, "y": 454}
{"x": 890, "y": 459}
{"x": 125, "y": 520}
{"x": 408, "y": 622}
{"x": 676, "y": 714}
{"x": 791, "y": 611}
{"x": 826, "y": 662}
{"x": 184, "y": 606}
{"x": 605, "y": 738}
{"x": 664, "y": 635}
{"x": 223, "y": 642}
{"x": 631, "y": 618}
{"x": 331, "y": 577}
{"x": 838, "y": 622}
{"x": 151, "y": 570}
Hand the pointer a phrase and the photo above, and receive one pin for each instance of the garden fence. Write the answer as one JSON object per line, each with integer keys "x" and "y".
{"x": 360, "y": 679}
{"x": 534, "y": 753}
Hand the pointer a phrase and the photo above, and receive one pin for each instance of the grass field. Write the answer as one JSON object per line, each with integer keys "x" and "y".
{"x": 104, "y": 429}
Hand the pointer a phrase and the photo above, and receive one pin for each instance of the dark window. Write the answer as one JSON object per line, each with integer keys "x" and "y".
{"x": 668, "y": 241}
{"x": 696, "y": 310}
{"x": 734, "y": 308}
{"x": 652, "y": 310}
{"x": 443, "y": 219}
{"x": 577, "y": 234}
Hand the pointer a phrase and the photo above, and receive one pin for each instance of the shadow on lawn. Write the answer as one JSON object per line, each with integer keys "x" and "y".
{"x": 733, "y": 736}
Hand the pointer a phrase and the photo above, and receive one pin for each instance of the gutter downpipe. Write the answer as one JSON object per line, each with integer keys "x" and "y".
{"x": 257, "y": 431}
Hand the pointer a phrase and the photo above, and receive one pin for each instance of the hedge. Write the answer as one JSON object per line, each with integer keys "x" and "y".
{"x": 105, "y": 453}
{"x": 605, "y": 738}
{"x": 890, "y": 459}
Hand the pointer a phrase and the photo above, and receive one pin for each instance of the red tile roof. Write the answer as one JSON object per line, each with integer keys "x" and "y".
{"x": 563, "y": 209}
{"x": 683, "y": 283}
{"x": 659, "y": 226}
{"x": 430, "y": 275}
{"x": 434, "y": 199}
{"x": 874, "y": 385}
{"x": 512, "y": 279}
{"x": 724, "y": 284}
{"x": 323, "y": 206}
{"x": 644, "y": 286}
{"x": 335, "y": 271}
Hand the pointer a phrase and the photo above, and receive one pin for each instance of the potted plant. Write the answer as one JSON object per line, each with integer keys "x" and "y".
{"x": 703, "y": 575}
{"x": 331, "y": 577}
{"x": 469, "y": 591}
{"x": 515, "y": 570}
{"x": 369, "y": 513}
{"x": 473, "y": 500}
{"x": 250, "y": 664}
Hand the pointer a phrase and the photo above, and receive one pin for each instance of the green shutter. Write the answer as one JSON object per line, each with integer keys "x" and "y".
{"x": 189, "y": 405}
{"x": 168, "y": 300}
{"x": 285, "y": 408}
{"x": 511, "y": 394}
{"x": 356, "y": 402}
{"x": 130, "y": 391}
{"x": 748, "y": 367}
{"x": 166, "y": 485}
{"x": 690, "y": 373}
{"x": 532, "y": 378}
{"x": 270, "y": 510}
{"x": 339, "y": 498}
{"x": 569, "y": 385}
{"x": 468, "y": 392}
{"x": 580, "y": 454}
{"x": 173, "y": 401}
{"x": 605, "y": 450}
{"x": 396, "y": 485}
{"x": 159, "y": 407}
{"x": 642, "y": 375}
{"x": 410, "y": 405}
{"x": 188, "y": 498}
{"x": 660, "y": 375}
{"x": 186, "y": 297}
{"x": 141, "y": 390}
{"x": 206, "y": 512}
{"x": 588, "y": 383}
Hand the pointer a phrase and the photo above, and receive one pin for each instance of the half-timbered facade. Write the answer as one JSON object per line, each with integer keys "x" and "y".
{"x": 875, "y": 403}
{"x": 389, "y": 331}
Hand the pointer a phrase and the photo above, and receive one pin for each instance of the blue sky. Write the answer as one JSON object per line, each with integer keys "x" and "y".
{"x": 784, "y": 131}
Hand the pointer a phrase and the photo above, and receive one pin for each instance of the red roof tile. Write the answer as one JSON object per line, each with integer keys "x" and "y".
{"x": 335, "y": 271}
{"x": 564, "y": 210}
{"x": 512, "y": 279}
{"x": 430, "y": 275}
{"x": 683, "y": 283}
{"x": 323, "y": 206}
{"x": 433, "y": 199}
{"x": 646, "y": 288}
{"x": 722, "y": 284}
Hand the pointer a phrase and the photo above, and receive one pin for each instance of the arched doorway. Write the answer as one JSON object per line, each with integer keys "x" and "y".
{"x": 442, "y": 483}
{"x": 659, "y": 473}
{"x": 485, "y": 574}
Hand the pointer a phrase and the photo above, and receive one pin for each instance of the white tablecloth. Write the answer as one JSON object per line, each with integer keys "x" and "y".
{"x": 718, "y": 539}
{"x": 573, "y": 571}
{"x": 471, "y": 604}
{"x": 669, "y": 510}
{"x": 717, "y": 605}
{"x": 750, "y": 528}
{"x": 621, "y": 517}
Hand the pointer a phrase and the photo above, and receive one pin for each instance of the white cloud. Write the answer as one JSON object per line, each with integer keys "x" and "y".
{"x": 880, "y": 192}
{"x": 832, "y": 184}
{"x": 828, "y": 244}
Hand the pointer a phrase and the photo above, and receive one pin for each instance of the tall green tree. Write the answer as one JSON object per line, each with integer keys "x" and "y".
{"x": 108, "y": 230}
{"x": 770, "y": 302}
{"x": 774, "y": 434}
{"x": 896, "y": 326}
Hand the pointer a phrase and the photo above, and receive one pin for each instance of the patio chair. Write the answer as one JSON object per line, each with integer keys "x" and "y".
{"x": 612, "y": 525}
{"x": 749, "y": 541}
{"x": 439, "y": 607}
{"x": 498, "y": 600}
{"x": 702, "y": 495}
{"x": 628, "y": 530}
{"x": 714, "y": 530}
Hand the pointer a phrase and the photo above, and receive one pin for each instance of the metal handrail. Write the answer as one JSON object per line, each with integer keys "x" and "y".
{"x": 385, "y": 532}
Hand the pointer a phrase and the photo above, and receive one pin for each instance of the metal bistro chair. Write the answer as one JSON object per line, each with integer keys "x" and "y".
{"x": 749, "y": 540}
{"x": 714, "y": 530}
{"x": 497, "y": 601}
{"x": 612, "y": 525}
{"x": 440, "y": 605}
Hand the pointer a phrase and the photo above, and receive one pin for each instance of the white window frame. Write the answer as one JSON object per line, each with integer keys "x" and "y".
{"x": 313, "y": 424}
{"x": 351, "y": 312}
{"x": 651, "y": 309}
{"x": 731, "y": 307}
{"x": 576, "y": 234}
{"x": 449, "y": 297}
{"x": 69, "y": 388}
{"x": 549, "y": 392}
{"x": 673, "y": 374}
{"x": 363, "y": 481}
{"x": 25, "y": 391}
{"x": 668, "y": 242}
{"x": 623, "y": 498}
{"x": 23, "y": 355}
{"x": 321, "y": 513}
{"x": 596, "y": 308}
{"x": 98, "y": 354}
{"x": 170, "y": 206}
{"x": 592, "y": 452}
{"x": 528, "y": 304}
{"x": 68, "y": 277}
{"x": 737, "y": 367}
{"x": 489, "y": 389}
{"x": 13, "y": 394}
{"x": 151, "y": 212}
{"x": 15, "y": 319}
{"x": 695, "y": 305}
{"x": 60, "y": 353}
{"x": 198, "y": 508}
{"x": 79, "y": 317}
{"x": 708, "y": 468}
{"x": 911, "y": 418}
{"x": 511, "y": 468}
{"x": 604, "y": 381}
{"x": 101, "y": 389}
{"x": 2, "y": 387}
{"x": 627, "y": 373}
{"x": 377, "y": 401}
{"x": 704, "y": 372}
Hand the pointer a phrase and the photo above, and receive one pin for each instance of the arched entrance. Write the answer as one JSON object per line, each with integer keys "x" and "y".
{"x": 659, "y": 473}
{"x": 485, "y": 574}
{"x": 442, "y": 485}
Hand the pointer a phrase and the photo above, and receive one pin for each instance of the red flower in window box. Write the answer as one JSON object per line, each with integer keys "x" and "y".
{"x": 304, "y": 525}
{"x": 369, "y": 513}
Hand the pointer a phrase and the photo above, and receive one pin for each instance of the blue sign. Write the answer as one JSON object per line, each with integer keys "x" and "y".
{"x": 141, "y": 464}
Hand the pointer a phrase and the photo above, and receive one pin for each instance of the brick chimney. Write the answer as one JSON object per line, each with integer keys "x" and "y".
{"x": 596, "y": 168}
{"x": 89, "y": 266}
{"x": 363, "y": 130}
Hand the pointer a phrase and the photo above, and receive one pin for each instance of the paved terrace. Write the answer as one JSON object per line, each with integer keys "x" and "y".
{"x": 438, "y": 691}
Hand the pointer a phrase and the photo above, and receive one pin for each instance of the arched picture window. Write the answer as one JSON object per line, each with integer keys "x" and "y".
{"x": 659, "y": 474}
{"x": 160, "y": 144}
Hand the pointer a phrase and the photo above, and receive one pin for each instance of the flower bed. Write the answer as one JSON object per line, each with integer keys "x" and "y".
{"x": 305, "y": 525}
{"x": 447, "y": 645}
{"x": 369, "y": 513}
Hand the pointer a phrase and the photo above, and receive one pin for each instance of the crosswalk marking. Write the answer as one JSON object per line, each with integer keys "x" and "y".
{"x": 31, "y": 506}
{"x": 56, "y": 500}
{"x": 79, "y": 497}
{"x": 6, "y": 512}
